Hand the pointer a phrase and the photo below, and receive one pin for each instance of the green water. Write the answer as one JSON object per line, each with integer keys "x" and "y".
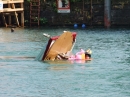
{"x": 107, "y": 75}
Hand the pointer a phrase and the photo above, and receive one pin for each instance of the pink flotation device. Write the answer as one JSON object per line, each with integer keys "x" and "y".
{"x": 79, "y": 55}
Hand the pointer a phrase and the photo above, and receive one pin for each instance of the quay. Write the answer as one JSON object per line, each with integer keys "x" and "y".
{"x": 106, "y": 13}
{"x": 10, "y": 9}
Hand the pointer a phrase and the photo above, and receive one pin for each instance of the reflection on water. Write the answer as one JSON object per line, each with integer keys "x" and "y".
{"x": 106, "y": 75}
{"x": 16, "y": 58}
{"x": 62, "y": 65}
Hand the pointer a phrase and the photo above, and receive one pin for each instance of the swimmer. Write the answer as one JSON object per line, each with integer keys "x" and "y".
{"x": 82, "y": 55}
{"x": 88, "y": 56}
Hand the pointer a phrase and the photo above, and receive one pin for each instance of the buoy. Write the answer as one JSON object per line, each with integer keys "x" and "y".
{"x": 83, "y": 25}
{"x": 75, "y": 25}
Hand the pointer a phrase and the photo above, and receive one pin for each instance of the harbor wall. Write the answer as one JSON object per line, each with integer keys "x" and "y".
{"x": 87, "y": 12}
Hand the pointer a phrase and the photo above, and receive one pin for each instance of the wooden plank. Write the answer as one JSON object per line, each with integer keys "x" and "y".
{"x": 15, "y": 1}
{"x": 22, "y": 19}
{"x": 11, "y": 10}
{"x": 22, "y": 16}
{"x": 16, "y": 15}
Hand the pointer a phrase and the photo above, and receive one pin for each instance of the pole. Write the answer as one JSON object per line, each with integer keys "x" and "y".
{"x": 107, "y": 13}
{"x": 83, "y": 10}
{"x": 91, "y": 12}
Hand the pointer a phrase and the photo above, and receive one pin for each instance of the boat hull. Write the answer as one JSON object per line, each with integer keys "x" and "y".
{"x": 57, "y": 44}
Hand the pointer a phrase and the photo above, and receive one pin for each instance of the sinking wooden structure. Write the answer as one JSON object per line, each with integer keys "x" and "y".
{"x": 62, "y": 44}
{"x": 12, "y": 8}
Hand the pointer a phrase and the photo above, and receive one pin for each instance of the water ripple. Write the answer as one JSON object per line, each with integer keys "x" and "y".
{"x": 106, "y": 75}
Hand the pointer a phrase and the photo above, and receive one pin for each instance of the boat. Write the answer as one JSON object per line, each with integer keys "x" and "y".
{"x": 62, "y": 44}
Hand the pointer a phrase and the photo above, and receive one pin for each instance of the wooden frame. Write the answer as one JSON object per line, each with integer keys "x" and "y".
{"x": 11, "y": 9}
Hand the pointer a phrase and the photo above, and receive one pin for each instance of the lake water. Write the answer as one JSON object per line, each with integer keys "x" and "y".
{"x": 107, "y": 75}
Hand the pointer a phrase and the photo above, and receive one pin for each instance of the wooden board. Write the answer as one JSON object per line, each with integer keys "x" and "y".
{"x": 12, "y": 1}
{"x": 63, "y": 44}
{"x": 11, "y": 10}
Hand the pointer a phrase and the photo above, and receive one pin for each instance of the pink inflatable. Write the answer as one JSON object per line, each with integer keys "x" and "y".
{"x": 78, "y": 56}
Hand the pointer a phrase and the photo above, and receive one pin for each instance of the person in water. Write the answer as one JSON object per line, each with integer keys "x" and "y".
{"x": 88, "y": 55}
{"x": 81, "y": 55}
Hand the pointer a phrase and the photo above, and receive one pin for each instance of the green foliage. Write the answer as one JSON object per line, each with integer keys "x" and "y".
{"x": 43, "y": 20}
{"x": 77, "y": 9}
{"x": 36, "y": 19}
{"x": 26, "y": 21}
{"x": 121, "y": 1}
{"x": 28, "y": 0}
{"x": 54, "y": 5}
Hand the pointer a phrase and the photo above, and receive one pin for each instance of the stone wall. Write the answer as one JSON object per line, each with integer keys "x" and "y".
{"x": 80, "y": 13}
{"x": 91, "y": 16}
{"x": 120, "y": 14}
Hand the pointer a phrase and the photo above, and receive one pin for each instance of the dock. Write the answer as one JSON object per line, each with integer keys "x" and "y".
{"x": 12, "y": 9}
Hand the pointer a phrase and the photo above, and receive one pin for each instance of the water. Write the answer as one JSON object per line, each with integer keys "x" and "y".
{"x": 107, "y": 75}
